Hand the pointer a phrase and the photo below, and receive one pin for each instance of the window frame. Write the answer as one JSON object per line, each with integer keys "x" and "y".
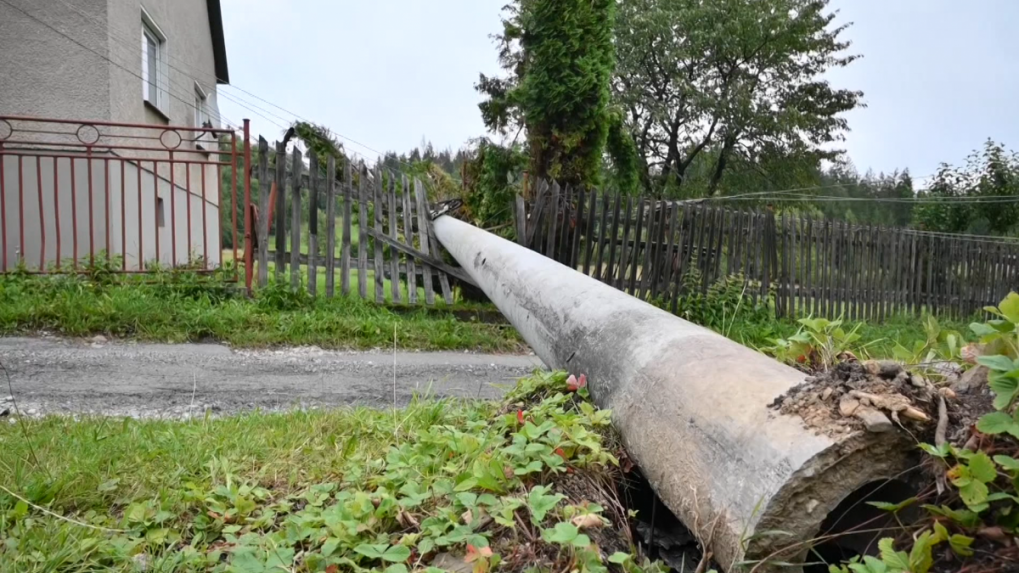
{"x": 153, "y": 35}
{"x": 200, "y": 116}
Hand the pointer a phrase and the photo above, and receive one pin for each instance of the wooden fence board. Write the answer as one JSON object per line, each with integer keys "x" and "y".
{"x": 653, "y": 251}
{"x": 378, "y": 188}
{"x": 608, "y": 273}
{"x": 534, "y": 224}
{"x": 841, "y": 270}
{"x": 362, "y": 234}
{"x": 785, "y": 278}
{"x": 716, "y": 252}
{"x": 681, "y": 250}
{"x": 600, "y": 235}
{"x": 345, "y": 242}
{"x": 851, "y": 271}
{"x": 635, "y": 251}
{"x": 313, "y": 177}
{"x": 281, "y": 194}
{"x": 408, "y": 235}
{"x": 575, "y": 253}
{"x": 553, "y": 212}
{"x": 264, "y": 184}
{"x": 330, "y": 197}
{"x": 563, "y": 237}
{"x": 422, "y": 216}
{"x": 668, "y": 260}
{"x": 589, "y": 230}
{"x": 394, "y": 257}
{"x": 619, "y": 280}
{"x": 295, "y": 219}
{"x": 520, "y": 218}
{"x": 433, "y": 243}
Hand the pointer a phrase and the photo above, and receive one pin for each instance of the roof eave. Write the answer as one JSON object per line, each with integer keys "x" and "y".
{"x": 218, "y": 41}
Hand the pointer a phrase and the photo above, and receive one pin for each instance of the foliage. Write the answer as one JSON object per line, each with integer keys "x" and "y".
{"x": 355, "y": 490}
{"x": 439, "y": 172}
{"x": 181, "y": 306}
{"x": 892, "y": 193}
{"x": 818, "y": 343}
{"x": 319, "y": 141}
{"x": 722, "y": 305}
{"x": 229, "y": 206}
{"x": 991, "y": 174}
{"x": 491, "y": 182}
{"x": 941, "y": 344}
{"x": 716, "y": 82}
{"x": 559, "y": 55}
{"x": 625, "y": 172}
{"x": 986, "y": 481}
{"x": 1001, "y": 337}
{"x": 920, "y": 559}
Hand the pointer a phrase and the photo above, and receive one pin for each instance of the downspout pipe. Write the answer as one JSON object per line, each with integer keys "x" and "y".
{"x": 690, "y": 405}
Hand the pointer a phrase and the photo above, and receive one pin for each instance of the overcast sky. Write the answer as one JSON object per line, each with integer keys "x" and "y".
{"x": 939, "y": 76}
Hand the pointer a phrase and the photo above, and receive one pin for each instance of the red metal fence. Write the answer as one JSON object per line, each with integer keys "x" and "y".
{"x": 135, "y": 197}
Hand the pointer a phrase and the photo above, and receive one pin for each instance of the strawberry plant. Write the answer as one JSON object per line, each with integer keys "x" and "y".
{"x": 817, "y": 344}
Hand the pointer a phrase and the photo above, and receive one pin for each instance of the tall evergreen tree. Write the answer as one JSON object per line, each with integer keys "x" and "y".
{"x": 559, "y": 56}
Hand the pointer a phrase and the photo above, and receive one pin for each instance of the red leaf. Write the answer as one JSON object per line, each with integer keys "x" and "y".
{"x": 334, "y": 568}
{"x": 561, "y": 453}
{"x": 583, "y": 381}
{"x": 520, "y": 417}
{"x": 571, "y": 383}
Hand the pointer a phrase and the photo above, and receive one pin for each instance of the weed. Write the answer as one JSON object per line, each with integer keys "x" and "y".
{"x": 181, "y": 306}
{"x": 818, "y": 344}
{"x": 984, "y": 475}
{"x": 311, "y": 491}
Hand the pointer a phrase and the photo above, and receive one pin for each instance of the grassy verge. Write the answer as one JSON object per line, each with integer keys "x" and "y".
{"x": 180, "y": 307}
{"x": 479, "y": 483}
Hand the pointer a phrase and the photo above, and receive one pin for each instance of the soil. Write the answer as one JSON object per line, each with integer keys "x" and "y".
{"x": 817, "y": 401}
{"x": 833, "y": 402}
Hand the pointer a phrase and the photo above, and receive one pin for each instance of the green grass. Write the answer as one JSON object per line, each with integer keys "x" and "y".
{"x": 308, "y": 491}
{"x": 879, "y": 339}
{"x": 182, "y": 308}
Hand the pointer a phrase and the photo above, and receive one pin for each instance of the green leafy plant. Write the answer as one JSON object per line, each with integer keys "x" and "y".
{"x": 318, "y": 491}
{"x": 920, "y": 558}
{"x": 987, "y": 486}
{"x": 817, "y": 344}
{"x": 940, "y": 344}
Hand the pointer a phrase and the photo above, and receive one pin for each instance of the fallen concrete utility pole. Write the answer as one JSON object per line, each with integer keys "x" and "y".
{"x": 690, "y": 405}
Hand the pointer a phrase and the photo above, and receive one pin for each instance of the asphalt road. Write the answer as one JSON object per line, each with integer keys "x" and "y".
{"x": 58, "y": 376}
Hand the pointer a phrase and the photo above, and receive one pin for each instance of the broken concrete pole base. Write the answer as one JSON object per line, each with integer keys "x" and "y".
{"x": 690, "y": 405}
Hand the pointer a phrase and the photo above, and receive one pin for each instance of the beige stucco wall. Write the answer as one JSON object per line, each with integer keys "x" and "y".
{"x": 132, "y": 226}
{"x": 89, "y": 68}
{"x": 48, "y": 75}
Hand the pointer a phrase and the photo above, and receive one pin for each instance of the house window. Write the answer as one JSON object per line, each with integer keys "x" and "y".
{"x": 201, "y": 110}
{"x": 200, "y": 118}
{"x": 155, "y": 78}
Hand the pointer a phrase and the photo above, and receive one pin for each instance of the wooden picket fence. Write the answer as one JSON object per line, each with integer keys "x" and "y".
{"x": 803, "y": 265}
{"x": 377, "y": 228}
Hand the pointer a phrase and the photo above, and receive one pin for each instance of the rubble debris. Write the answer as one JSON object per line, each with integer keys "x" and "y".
{"x": 875, "y": 396}
{"x": 873, "y": 420}
{"x": 970, "y": 380}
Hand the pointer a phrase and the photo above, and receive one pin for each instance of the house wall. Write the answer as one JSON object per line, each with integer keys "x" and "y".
{"x": 132, "y": 227}
{"x": 94, "y": 73}
{"x": 46, "y": 74}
